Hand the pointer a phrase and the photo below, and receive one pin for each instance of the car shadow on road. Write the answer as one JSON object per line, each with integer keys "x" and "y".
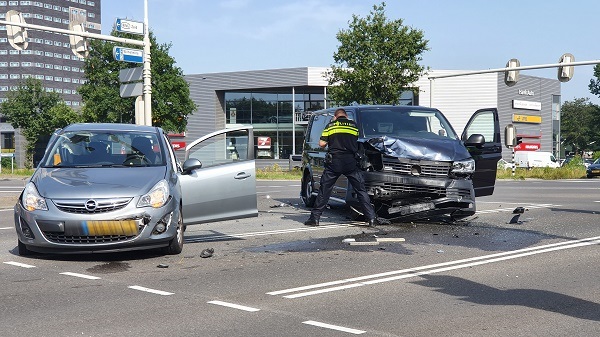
{"x": 478, "y": 293}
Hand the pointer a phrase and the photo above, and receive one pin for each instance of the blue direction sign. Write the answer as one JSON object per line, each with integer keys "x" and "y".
{"x": 128, "y": 55}
{"x": 128, "y": 26}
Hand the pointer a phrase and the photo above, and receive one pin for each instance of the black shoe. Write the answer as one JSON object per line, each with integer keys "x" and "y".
{"x": 374, "y": 223}
{"x": 311, "y": 222}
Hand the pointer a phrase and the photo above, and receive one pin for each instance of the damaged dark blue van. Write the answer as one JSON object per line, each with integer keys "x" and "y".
{"x": 414, "y": 164}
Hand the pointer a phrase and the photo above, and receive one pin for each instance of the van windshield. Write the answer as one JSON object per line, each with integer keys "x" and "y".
{"x": 412, "y": 123}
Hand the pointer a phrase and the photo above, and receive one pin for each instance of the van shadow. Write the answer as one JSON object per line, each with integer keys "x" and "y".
{"x": 478, "y": 293}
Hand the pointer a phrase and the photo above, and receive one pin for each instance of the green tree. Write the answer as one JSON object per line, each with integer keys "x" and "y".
{"x": 376, "y": 60}
{"x": 171, "y": 103}
{"x": 595, "y": 84}
{"x": 37, "y": 113}
{"x": 579, "y": 123}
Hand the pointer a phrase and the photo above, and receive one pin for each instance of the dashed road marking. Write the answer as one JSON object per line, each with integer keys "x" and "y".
{"x": 152, "y": 291}
{"x": 335, "y": 327}
{"x": 89, "y": 277}
{"x": 6, "y": 228}
{"x": 234, "y": 306}
{"x": 510, "y": 209}
{"x": 19, "y": 264}
{"x": 282, "y": 231}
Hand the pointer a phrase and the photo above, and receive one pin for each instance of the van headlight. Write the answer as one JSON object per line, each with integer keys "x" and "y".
{"x": 32, "y": 200}
{"x": 463, "y": 166}
{"x": 157, "y": 197}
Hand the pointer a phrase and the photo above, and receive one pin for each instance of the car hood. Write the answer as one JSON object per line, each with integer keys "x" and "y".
{"x": 61, "y": 183}
{"x": 419, "y": 148}
{"x": 594, "y": 166}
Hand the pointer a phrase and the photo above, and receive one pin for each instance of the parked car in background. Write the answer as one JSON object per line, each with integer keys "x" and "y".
{"x": 593, "y": 170}
{"x": 414, "y": 164}
{"x": 505, "y": 165}
{"x": 117, "y": 187}
{"x": 530, "y": 159}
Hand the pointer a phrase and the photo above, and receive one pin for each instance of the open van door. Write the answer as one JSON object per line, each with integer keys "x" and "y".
{"x": 486, "y": 150}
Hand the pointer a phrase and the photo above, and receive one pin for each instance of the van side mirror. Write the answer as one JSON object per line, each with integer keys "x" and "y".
{"x": 475, "y": 140}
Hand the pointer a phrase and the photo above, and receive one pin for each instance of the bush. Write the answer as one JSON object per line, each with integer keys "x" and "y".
{"x": 566, "y": 172}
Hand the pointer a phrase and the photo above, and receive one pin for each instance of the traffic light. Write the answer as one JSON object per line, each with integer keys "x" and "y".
{"x": 511, "y": 77}
{"x": 79, "y": 44}
{"x": 17, "y": 36}
{"x": 565, "y": 73}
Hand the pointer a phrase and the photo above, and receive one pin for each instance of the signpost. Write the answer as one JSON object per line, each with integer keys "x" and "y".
{"x": 128, "y": 26}
{"x": 128, "y": 55}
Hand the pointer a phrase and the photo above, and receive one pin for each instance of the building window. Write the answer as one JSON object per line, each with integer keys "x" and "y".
{"x": 67, "y": 91}
{"x": 3, "y": 52}
{"x": 2, "y": 3}
{"x": 39, "y": 77}
{"x": 49, "y": 89}
{"x": 49, "y": 78}
{"x": 3, "y": 64}
{"x": 67, "y": 79}
{"x": 13, "y": 3}
{"x": 68, "y": 103}
{"x": 26, "y": 52}
{"x": 66, "y": 68}
{"x": 39, "y": 52}
{"x": 57, "y": 67}
{"x": 3, "y": 88}
{"x": 3, "y": 76}
{"x": 57, "y": 55}
{"x": 14, "y": 52}
{"x": 47, "y": 18}
{"x": 15, "y": 76}
{"x": 58, "y": 79}
{"x": 25, "y": 64}
{"x": 14, "y": 64}
{"x": 48, "y": 66}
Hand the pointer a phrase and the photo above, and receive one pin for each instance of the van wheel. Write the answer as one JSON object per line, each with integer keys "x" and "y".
{"x": 307, "y": 189}
{"x": 176, "y": 244}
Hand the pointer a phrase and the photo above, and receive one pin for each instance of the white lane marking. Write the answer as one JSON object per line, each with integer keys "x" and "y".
{"x": 234, "y": 306}
{"x": 335, "y": 327}
{"x": 281, "y": 231}
{"x": 153, "y": 291}
{"x": 597, "y": 201}
{"x": 19, "y": 264}
{"x": 430, "y": 269}
{"x": 6, "y": 228}
{"x": 6, "y": 210}
{"x": 89, "y": 277}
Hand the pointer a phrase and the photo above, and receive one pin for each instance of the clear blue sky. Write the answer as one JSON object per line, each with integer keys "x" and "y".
{"x": 235, "y": 35}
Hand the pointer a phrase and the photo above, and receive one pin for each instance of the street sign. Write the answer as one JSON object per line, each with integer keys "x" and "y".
{"x": 131, "y": 89}
{"x": 128, "y": 55}
{"x": 128, "y": 26}
{"x": 130, "y": 74}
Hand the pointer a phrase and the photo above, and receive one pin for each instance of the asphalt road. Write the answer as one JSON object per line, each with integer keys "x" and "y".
{"x": 272, "y": 276}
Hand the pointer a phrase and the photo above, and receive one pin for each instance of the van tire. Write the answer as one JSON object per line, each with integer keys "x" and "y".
{"x": 308, "y": 186}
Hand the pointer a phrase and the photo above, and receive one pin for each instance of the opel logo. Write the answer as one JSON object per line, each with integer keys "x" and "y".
{"x": 91, "y": 205}
{"x": 415, "y": 170}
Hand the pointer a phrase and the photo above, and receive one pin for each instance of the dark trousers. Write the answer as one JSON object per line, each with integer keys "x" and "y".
{"x": 330, "y": 175}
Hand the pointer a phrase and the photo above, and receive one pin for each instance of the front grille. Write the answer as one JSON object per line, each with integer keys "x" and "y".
{"x": 432, "y": 169}
{"x": 397, "y": 188}
{"x": 82, "y": 206}
{"x": 459, "y": 192}
{"x": 72, "y": 239}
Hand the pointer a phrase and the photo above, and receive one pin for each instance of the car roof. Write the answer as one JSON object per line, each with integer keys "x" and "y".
{"x": 110, "y": 127}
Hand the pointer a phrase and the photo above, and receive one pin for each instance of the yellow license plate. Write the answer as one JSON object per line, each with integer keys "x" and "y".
{"x": 595, "y": 171}
{"x": 112, "y": 227}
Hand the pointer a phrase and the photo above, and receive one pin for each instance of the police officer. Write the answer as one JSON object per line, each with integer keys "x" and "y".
{"x": 341, "y": 135}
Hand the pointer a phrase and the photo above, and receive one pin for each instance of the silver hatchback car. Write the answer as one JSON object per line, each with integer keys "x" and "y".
{"x": 117, "y": 187}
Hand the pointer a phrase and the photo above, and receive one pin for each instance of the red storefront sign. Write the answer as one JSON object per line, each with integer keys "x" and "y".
{"x": 264, "y": 142}
{"x": 178, "y": 145}
{"x": 528, "y": 147}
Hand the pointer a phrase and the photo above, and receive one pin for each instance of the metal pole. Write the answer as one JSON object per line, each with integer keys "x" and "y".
{"x": 146, "y": 71}
{"x": 293, "y": 121}
{"x": 513, "y": 161}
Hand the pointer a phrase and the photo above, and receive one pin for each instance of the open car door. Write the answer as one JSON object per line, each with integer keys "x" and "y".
{"x": 484, "y": 122}
{"x": 224, "y": 187}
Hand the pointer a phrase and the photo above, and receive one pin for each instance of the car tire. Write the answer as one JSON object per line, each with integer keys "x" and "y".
{"x": 23, "y": 250}
{"x": 308, "y": 186}
{"x": 176, "y": 244}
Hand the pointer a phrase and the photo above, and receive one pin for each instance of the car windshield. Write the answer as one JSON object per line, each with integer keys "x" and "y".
{"x": 104, "y": 149}
{"x": 415, "y": 123}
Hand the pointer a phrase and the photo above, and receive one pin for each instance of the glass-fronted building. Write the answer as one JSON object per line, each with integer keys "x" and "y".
{"x": 277, "y": 103}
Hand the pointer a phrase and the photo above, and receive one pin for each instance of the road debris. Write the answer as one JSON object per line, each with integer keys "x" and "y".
{"x": 162, "y": 265}
{"x": 208, "y": 252}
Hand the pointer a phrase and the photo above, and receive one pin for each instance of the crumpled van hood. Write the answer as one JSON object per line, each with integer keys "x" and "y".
{"x": 73, "y": 183}
{"x": 419, "y": 148}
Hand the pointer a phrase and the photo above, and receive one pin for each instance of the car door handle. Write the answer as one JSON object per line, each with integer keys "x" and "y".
{"x": 242, "y": 175}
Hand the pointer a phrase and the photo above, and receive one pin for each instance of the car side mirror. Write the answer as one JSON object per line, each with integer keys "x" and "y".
{"x": 475, "y": 140}
{"x": 190, "y": 165}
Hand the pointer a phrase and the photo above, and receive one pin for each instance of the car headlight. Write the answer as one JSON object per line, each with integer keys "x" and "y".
{"x": 463, "y": 166}
{"x": 157, "y": 197}
{"x": 32, "y": 200}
